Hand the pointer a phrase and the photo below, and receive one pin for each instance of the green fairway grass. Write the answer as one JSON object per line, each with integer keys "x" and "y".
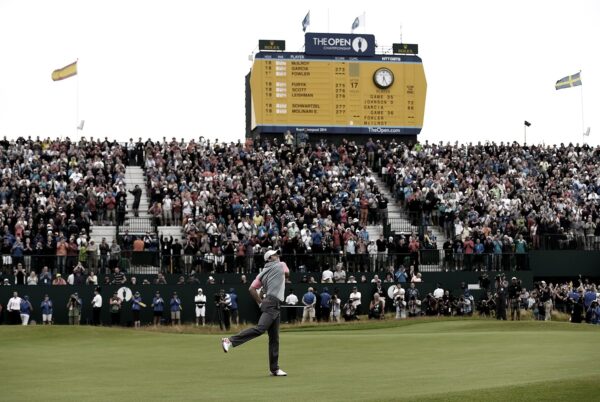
{"x": 430, "y": 360}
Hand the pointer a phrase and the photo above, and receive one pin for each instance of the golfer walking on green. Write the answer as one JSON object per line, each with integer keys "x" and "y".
{"x": 272, "y": 280}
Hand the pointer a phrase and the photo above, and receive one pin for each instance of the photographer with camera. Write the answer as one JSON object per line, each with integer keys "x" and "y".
{"x": 514, "y": 293}
{"x": 356, "y": 299}
{"x": 545, "y": 299}
{"x": 467, "y": 302}
{"x": 398, "y": 297}
{"x": 594, "y": 313}
{"x": 484, "y": 281}
{"x": 486, "y": 304}
{"x": 349, "y": 311}
{"x": 464, "y": 306}
{"x": 500, "y": 297}
{"x": 376, "y": 308}
{"x": 576, "y": 299}
{"x": 414, "y": 307}
{"x": 74, "y": 308}
{"x": 223, "y": 304}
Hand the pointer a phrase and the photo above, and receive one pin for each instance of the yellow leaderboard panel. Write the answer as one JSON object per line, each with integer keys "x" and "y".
{"x": 293, "y": 91}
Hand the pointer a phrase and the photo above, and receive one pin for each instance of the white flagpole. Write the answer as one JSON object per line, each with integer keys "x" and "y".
{"x": 77, "y": 100}
{"x": 582, "y": 120}
{"x": 364, "y": 21}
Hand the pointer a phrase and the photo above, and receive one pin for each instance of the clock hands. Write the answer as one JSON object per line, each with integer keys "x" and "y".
{"x": 383, "y": 78}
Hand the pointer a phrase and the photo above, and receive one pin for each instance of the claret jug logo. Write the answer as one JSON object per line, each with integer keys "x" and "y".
{"x": 360, "y": 44}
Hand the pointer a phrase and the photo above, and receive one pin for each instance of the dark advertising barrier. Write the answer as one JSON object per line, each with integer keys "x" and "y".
{"x": 567, "y": 263}
{"x": 248, "y": 310}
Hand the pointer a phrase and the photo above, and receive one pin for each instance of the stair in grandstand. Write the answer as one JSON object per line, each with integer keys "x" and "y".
{"x": 175, "y": 231}
{"x": 401, "y": 224}
{"x": 99, "y": 232}
{"x": 137, "y": 269}
{"x": 134, "y": 175}
{"x": 396, "y": 217}
{"x": 374, "y": 231}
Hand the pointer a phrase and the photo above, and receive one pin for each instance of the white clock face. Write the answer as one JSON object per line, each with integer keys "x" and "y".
{"x": 383, "y": 78}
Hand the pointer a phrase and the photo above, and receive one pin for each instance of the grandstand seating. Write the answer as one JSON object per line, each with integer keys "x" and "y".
{"x": 214, "y": 208}
{"x": 318, "y": 199}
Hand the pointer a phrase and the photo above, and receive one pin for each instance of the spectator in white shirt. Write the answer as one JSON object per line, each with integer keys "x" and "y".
{"x": 438, "y": 293}
{"x": 335, "y": 307}
{"x": 339, "y": 276}
{"x": 372, "y": 250}
{"x": 92, "y": 279}
{"x": 96, "y": 307}
{"x": 292, "y": 300}
{"x": 32, "y": 279}
{"x": 71, "y": 279}
{"x": 14, "y": 309}
{"x": 167, "y": 210}
{"x": 355, "y": 298}
{"x": 327, "y": 275}
{"x": 76, "y": 176}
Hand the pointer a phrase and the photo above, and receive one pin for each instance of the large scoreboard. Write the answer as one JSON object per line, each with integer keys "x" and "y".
{"x": 379, "y": 94}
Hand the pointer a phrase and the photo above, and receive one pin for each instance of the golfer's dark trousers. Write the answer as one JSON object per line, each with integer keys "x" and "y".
{"x": 269, "y": 321}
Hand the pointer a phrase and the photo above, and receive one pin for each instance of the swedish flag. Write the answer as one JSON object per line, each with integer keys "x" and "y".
{"x": 569, "y": 81}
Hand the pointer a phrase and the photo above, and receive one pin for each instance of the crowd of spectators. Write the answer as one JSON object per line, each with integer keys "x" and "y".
{"x": 493, "y": 202}
{"x": 499, "y": 297}
{"x": 580, "y": 302}
{"x": 236, "y": 200}
{"x": 504, "y": 196}
{"x": 51, "y": 192}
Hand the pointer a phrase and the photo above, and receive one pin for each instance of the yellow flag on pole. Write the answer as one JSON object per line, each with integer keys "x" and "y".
{"x": 65, "y": 72}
